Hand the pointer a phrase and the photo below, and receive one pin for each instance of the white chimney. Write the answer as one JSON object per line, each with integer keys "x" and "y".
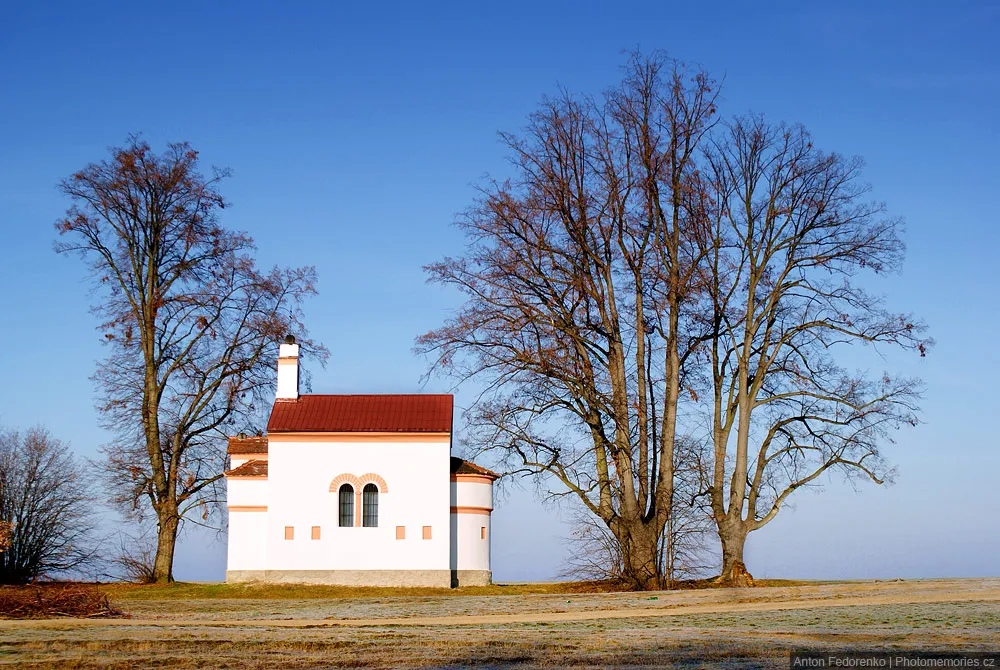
{"x": 288, "y": 370}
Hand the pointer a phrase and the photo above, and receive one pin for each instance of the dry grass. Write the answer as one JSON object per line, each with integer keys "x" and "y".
{"x": 252, "y": 591}
{"x": 713, "y": 641}
{"x": 213, "y": 626}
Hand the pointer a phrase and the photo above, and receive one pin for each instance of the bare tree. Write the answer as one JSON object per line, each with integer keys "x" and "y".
{"x": 581, "y": 276}
{"x": 791, "y": 230}
{"x": 594, "y": 552}
{"x": 45, "y": 508}
{"x": 193, "y": 327}
{"x": 685, "y": 550}
{"x": 685, "y": 546}
{"x": 135, "y": 558}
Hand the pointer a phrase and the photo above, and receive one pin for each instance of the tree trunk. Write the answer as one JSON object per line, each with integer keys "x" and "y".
{"x": 734, "y": 570}
{"x": 166, "y": 541}
{"x": 640, "y": 557}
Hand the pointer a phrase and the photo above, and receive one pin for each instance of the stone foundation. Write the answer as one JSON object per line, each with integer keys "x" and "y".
{"x": 439, "y": 578}
{"x": 471, "y": 578}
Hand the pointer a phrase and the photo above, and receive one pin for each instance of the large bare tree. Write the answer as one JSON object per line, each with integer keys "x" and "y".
{"x": 644, "y": 267}
{"x": 191, "y": 323}
{"x": 685, "y": 545}
{"x": 792, "y": 228}
{"x": 46, "y": 509}
{"x": 582, "y": 277}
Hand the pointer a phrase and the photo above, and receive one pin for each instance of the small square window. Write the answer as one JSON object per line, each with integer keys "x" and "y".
{"x": 482, "y": 532}
{"x": 400, "y": 532}
{"x": 427, "y": 532}
{"x": 289, "y": 532}
{"x": 315, "y": 532}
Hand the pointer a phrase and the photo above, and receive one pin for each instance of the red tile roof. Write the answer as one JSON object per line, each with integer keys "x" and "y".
{"x": 462, "y": 467}
{"x": 248, "y": 445}
{"x": 424, "y": 413}
{"x": 249, "y": 469}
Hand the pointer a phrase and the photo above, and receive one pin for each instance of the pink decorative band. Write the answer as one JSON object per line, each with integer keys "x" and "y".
{"x": 464, "y": 509}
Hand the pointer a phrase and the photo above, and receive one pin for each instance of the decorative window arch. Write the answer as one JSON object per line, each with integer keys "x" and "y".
{"x": 370, "y": 498}
{"x": 361, "y": 504}
{"x": 345, "y": 498}
{"x": 372, "y": 478}
{"x": 346, "y": 478}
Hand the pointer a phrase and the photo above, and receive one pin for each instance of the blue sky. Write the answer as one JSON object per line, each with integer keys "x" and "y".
{"x": 356, "y": 132}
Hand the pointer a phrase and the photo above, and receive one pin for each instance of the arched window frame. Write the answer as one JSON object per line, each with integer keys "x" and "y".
{"x": 369, "y": 516}
{"x": 345, "y": 506}
{"x": 357, "y": 484}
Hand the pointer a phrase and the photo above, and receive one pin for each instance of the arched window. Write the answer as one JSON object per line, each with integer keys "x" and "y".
{"x": 370, "y": 506}
{"x": 346, "y": 495}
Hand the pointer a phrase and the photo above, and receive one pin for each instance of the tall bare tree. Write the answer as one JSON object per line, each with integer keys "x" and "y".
{"x": 192, "y": 325}
{"x": 685, "y": 550}
{"x": 581, "y": 277}
{"x": 791, "y": 229}
{"x": 46, "y": 510}
{"x": 687, "y": 547}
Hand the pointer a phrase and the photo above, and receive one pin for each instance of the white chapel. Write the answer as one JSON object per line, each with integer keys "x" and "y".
{"x": 357, "y": 490}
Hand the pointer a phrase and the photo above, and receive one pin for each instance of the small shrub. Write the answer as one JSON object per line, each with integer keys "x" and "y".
{"x": 135, "y": 559}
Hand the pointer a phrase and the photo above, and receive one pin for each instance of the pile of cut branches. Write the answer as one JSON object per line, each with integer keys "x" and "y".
{"x": 6, "y": 531}
{"x": 56, "y": 599}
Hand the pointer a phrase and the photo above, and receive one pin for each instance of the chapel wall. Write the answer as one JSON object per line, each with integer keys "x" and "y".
{"x": 246, "y": 492}
{"x": 416, "y": 475}
{"x": 469, "y": 492}
{"x": 471, "y": 505}
{"x": 247, "y": 530}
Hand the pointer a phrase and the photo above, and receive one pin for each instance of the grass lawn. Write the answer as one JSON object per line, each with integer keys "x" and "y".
{"x": 200, "y": 590}
{"x": 507, "y": 626}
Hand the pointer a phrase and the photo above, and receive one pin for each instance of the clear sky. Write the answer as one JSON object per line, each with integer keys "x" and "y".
{"x": 356, "y": 131}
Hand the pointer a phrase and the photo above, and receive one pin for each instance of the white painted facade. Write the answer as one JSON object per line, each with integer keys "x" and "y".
{"x": 417, "y": 478}
{"x": 472, "y": 502}
{"x": 433, "y": 526}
